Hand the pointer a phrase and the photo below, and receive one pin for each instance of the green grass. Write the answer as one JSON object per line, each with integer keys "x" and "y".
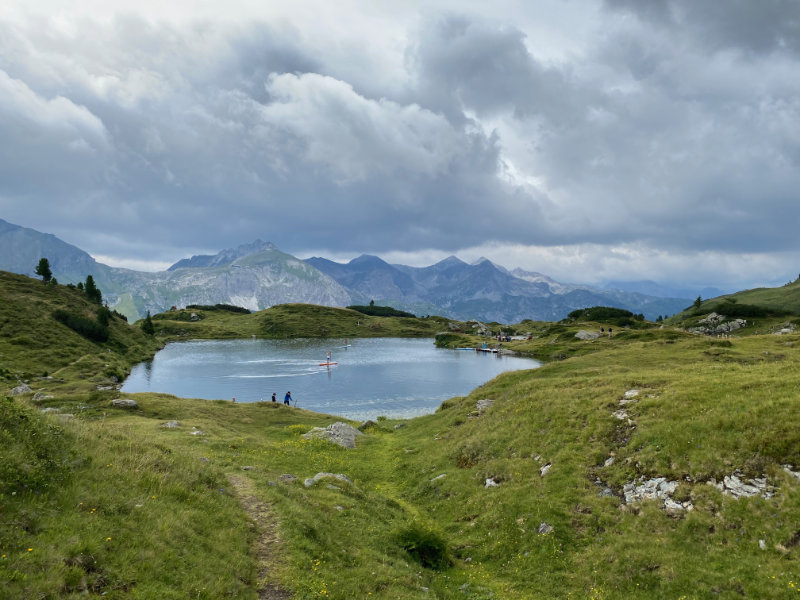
{"x": 140, "y": 511}
{"x": 289, "y": 321}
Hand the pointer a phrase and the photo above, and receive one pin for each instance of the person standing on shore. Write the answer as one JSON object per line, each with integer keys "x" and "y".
{"x": 274, "y": 399}
{"x": 287, "y": 399}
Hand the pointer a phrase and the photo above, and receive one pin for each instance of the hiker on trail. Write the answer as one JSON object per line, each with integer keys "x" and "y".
{"x": 287, "y": 398}
{"x": 273, "y": 397}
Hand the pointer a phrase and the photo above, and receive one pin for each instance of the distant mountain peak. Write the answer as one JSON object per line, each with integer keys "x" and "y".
{"x": 224, "y": 257}
{"x": 451, "y": 261}
{"x": 367, "y": 259}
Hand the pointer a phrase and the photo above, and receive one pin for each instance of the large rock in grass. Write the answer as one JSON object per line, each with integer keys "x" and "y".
{"x": 124, "y": 403}
{"x": 338, "y": 433}
{"x": 587, "y": 335}
{"x": 22, "y": 388}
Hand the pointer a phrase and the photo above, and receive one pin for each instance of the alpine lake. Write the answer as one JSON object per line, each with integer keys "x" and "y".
{"x": 392, "y": 377}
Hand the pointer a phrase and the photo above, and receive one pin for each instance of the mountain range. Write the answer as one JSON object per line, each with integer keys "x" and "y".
{"x": 259, "y": 275}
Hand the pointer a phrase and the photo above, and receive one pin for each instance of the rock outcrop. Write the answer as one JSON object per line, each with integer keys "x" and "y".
{"x": 339, "y": 433}
{"x": 715, "y": 324}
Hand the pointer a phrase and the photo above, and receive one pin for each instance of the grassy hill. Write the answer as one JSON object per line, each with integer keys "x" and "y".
{"x": 113, "y": 503}
{"x": 291, "y": 320}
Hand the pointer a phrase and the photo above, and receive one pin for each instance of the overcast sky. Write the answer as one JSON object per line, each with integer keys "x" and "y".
{"x": 589, "y": 140}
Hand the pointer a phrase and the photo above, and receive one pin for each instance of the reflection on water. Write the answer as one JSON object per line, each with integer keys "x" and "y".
{"x": 383, "y": 376}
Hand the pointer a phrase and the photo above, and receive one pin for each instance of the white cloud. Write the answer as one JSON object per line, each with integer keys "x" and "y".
{"x": 586, "y": 140}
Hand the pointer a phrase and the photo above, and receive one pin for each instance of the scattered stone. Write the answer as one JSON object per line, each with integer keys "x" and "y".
{"x": 50, "y": 409}
{"x": 40, "y": 395}
{"x": 544, "y": 528}
{"x": 762, "y": 544}
{"x": 171, "y": 425}
{"x": 543, "y": 471}
{"x": 366, "y": 424}
{"x": 104, "y": 388}
{"x": 339, "y": 508}
{"x": 65, "y": 416}
{"x": 483, "y": 405}
{"x": 609, "y": 461}
{"x": 335, "y": 488}
{"x": 248, "y": 468}
{"x": 587, "y": 335}
{"x": 338, "y": 433}
{"x": 620, "y": 414}
{"x": 319, "y": 476}
{"x": 442, "y": 476}
{"x": 658, "y": 488}
{"x": 789, "y": 469}
{"x": 715, "y": 324}
{"x": 490, "y": 482}
{"x": 399, "y": 425}
{"x": 630, "y": 394}
{"x": 287, "y": 478}
{"x": 733, "y": 485}
{"x": 124, "y": 403}
{"x": 22, "y": 388}
{"x": 606, "y": 492}
{"x": 197, "y": 432}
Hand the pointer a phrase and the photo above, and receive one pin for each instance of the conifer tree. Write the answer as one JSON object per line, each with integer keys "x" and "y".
{"x": 43, "y": 270}
{"x": 92, "y": 292}
{"x": 147, "y": 325}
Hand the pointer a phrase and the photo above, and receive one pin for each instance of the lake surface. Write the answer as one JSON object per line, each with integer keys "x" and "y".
{"x": 395, "y": 377}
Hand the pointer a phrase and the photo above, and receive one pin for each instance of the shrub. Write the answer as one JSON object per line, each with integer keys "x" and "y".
{"x": 426, "y": 546}
{"x": 382, "y": 311}
{"x": 227, "y": 307}
{"x": 103, "y": 316}
{"x": 84, "y": 326}
{"x": 34, "y": 454}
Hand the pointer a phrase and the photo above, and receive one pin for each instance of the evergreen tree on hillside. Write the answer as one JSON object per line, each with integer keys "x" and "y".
{"x": 91, "y": 290}
{"x": 43, "y": 270}
{"x": 147, "y": 325}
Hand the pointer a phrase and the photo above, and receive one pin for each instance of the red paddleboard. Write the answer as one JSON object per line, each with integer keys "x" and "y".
{"x": 328, "y": 363}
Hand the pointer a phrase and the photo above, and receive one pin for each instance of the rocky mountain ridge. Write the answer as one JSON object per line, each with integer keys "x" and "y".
{"x": 258, "y": 275}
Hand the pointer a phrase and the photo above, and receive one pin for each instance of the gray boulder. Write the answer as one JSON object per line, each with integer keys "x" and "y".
{"x": 339, "y": 433}
{"x": 124, "y": 403}
{"x": 22, "y": 388}
{"x": 320, "y": 476}
{"x": 544, "y": 528}
{"x": 587, "y": 335}
{"x": 40, "y": 396}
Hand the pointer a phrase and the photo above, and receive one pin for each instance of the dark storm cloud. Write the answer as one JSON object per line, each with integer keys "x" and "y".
{"x": 461, "y": 64}
{"x": 676, "y": 129}
{"x": 751, "y": 27}
{"x": 223, "y": 136}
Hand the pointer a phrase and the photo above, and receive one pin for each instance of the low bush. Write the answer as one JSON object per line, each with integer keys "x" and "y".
{"x": 88, "y": 328}
{"x": 426, "y": 546}
{"x": 382, "y": 311}
{"x": 226, "y": 307}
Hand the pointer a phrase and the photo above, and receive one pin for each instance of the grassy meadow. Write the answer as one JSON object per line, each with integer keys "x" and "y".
{"x": 111, "y": 503}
